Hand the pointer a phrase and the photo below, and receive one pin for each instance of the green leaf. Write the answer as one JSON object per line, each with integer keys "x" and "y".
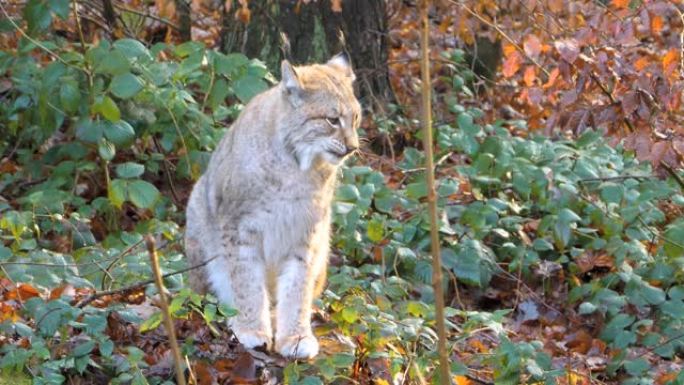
{"x": 117, "y": 192}
{"x": 541, "y": 244}
{"x": 417, "y": 190}
{"x": 132, "y": 48}
{"x": 247, "y": 87}
{"x": 113, "y": 63}
{"x": 343, "y": 360}
{"x": 229, "y": 64}
{"x": 568, "y": 216}
{"x": 60, "y": 8}
{"x": 218, "y": 93}
{"x": 143, "y": 194}
{"x": 84, "y": 348}
{"x": 106, "y": 348}
{"x": 637, "y": 367}
{"x": 37, "y": 16}
{"x": 151, "y": 323}
{"x": 348, "y": 193}
{"x": 69, "y": 95}
{"x": 376, "y": 230}
{"x": 612, "y": 192}
{"x": 587, "y": 308}
{"x": 89, "y": 131}
{"x": 469, "y": 266}
{"x": 562, "y": 233}
{"x": 311, "y": 380}
{"x": 349, "y": 314}
{"x": 129, "y": 170}
{"x": 674, "y": 240}
{"x": 106, "y": 107}
{"x": 125, "y": 85}
{"x": 120, "y": 133}
{"x": 106, "y": 149}
{"x": 227, "y": 311}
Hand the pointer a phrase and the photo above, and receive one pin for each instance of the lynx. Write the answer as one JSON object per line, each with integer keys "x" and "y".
{"x": 261, "y": 212}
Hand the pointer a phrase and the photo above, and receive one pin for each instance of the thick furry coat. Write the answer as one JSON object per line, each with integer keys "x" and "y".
{"x": 262, "y": 208}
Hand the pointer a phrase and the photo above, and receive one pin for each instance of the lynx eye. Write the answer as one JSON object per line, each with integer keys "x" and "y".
{"x": 335, "y": 122}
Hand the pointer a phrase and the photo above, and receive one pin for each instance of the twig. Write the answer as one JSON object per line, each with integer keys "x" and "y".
{"x": 116, "y": 259}
{"x": 138, "y": 285}
{"x": 168, "y": 322}
{"x": 618, "y": 177}
{"x": 673, "y": 173}
{"x": 174, "y": 193}
{"x": 503, "y": 34}
{"x": 426, "y": 95}
{"x": 611, "y": 97}
{"x": 162, "y": 20}
{"x": 36, "y": 42}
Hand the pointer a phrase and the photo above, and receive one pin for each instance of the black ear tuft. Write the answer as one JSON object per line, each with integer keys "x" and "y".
{"x": 342, "y": 61}
{"x": 291, "y": 83}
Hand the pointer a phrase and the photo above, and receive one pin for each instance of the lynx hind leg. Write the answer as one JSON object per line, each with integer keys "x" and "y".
{"x": 196, "y": 277}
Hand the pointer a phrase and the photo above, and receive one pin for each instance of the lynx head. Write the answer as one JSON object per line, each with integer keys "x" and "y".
{"x": 325, "y": 112}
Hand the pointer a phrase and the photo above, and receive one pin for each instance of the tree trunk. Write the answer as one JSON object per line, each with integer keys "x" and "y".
{"x": 314, "y": 32}
{"x": 184, "y": 19}
{"x": 364, "y": 25}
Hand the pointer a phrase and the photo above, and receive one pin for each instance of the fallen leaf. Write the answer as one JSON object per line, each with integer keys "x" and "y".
{"x": 512, "y": 64}
{"x": 568, "y": 49}
{"x": 530, "y": 75}
{"x": 656, "y": 24}
{"x": 532, "y": 45}
{"x": 620, "y": 4}
{"x": 552, "y": 78}
{"x": 670, "y": 61}
{"x": 642, "y": 63}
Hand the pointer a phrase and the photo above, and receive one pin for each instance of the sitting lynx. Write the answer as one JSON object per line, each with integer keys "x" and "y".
{"x": 263, "y": 205}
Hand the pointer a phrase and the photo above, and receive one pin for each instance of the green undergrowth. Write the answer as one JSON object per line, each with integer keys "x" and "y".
{"x": 99, "y": 148}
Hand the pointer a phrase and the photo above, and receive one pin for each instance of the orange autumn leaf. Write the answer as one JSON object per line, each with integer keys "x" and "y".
{"x": 555, "y": 6}
{"x": 552, "y": 79}
{"x": 530, "y": 75}
{"x": 509, "y": 49}
{"x": 656, "y": 24}
{"x": 22, "y": 292}
{"x": 512, "y": 64}
{"x": 620, "y": 3}
{"x": 166, "y": 8}
{"x": 445, "y": 24}
{"x": 641, "y": 63}
{"x": 666, "y": 377}
{"x": 670, "y": 61}
{"x": 244, "y": 15}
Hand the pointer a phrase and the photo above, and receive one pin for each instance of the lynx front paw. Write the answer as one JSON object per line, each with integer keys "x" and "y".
{"x": 299, "y": 347}
{"x": 252, "y": 339}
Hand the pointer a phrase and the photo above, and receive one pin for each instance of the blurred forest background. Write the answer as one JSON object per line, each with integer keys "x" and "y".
{"x": 559, "y": 152}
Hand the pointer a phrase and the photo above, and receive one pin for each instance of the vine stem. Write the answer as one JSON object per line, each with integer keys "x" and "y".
{"x": 168, "y": 322}
{"x": 426, "y": 95}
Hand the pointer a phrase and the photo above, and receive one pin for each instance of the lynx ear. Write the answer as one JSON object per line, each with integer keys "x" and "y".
{"x": 289, "y": 77}
{"x": 341, "y": 62}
